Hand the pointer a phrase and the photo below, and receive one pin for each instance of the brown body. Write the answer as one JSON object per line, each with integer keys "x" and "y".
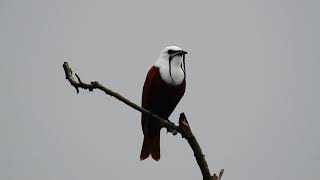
{"x": 161, "y": 98}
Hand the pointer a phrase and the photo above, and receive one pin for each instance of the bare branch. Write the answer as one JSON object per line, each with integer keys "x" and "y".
{"x": 183, "y": 128}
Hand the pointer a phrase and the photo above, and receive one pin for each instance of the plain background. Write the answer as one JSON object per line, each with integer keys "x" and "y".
{"x": 252, "y": 94}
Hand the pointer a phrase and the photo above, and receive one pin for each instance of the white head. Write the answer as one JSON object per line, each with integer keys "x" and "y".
{"x": 170, "y": 65}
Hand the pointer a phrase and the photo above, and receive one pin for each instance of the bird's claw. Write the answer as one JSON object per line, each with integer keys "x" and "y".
{"x": 172, "y": 131}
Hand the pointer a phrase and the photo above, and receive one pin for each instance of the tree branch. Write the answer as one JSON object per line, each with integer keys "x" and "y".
{"x": 183, "y": 128}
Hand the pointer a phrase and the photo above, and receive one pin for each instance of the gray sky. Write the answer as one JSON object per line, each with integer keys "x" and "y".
{"x": 252, "y": 95}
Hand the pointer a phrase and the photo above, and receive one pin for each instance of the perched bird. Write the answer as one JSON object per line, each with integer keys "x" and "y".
{"x": 163, "y": 88}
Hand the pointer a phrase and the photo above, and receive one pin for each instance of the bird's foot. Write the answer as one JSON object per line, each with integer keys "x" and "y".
{"x": 172, "y": 130}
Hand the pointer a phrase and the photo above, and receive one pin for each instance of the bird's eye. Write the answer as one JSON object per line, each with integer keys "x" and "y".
{"x": 170, "y": 51}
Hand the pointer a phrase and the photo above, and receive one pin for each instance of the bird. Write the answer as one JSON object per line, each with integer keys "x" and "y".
{"x": 163, "y": 88}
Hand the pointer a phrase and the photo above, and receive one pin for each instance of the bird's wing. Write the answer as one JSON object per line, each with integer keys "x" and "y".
{"x": 148, "y": 88}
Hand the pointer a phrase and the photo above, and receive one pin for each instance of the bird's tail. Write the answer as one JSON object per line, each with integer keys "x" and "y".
{"x": 151, "y": 145}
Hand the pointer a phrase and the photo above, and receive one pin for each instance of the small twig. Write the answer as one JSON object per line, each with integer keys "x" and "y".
{"x": 215, "y": 177}
{"x": 79, "y": 80}
{"x": 183, "y": 128}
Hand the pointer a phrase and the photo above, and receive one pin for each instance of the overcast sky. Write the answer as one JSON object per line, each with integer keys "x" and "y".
{"x": 252, "y": 96}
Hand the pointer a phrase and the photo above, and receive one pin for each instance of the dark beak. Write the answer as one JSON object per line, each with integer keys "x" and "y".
{"x": 180, "y": 52}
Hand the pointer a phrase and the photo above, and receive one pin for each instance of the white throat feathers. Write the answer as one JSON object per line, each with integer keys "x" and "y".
{"x": 171, "y": 69}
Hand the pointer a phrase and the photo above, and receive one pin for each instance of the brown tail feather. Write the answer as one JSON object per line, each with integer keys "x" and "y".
{"x": 150, "y": 146}
{"x": 155, "y": 153}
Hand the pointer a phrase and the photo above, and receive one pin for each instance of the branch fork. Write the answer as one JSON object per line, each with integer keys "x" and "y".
{"x": 183, "y": 128}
